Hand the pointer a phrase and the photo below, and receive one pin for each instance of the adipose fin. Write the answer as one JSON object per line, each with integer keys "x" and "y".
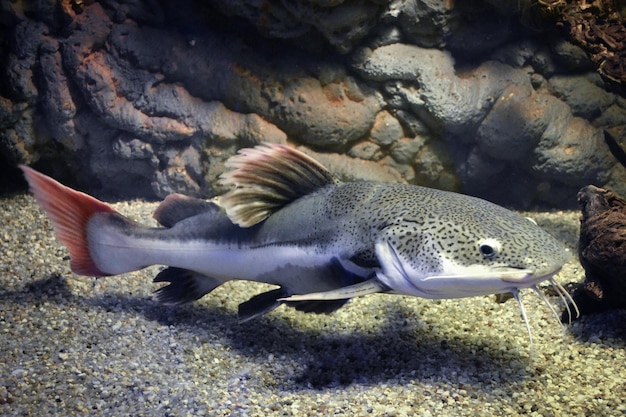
{"x": 177, "y": 207}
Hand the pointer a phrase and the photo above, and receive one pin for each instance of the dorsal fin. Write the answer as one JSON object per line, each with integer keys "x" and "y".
{"x": 266, "y": 178}
{"x": 177, "y": 207}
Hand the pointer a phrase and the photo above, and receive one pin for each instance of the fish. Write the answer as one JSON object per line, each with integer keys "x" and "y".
{"x": 286, "y": 220}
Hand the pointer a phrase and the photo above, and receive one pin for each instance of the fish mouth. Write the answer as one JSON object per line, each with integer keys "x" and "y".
{"x": 504, "y": 273}
{"x": 529, "y": 279}
{"x": 478, "y": 281}
{"x": 512, "y": 275}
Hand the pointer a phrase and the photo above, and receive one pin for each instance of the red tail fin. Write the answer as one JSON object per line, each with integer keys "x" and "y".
{"x": 69, "y": 211}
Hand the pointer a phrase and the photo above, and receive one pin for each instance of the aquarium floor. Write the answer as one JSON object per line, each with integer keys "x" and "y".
{"x": 74, "y": 346}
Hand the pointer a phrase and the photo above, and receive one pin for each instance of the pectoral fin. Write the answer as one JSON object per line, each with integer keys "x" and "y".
{"x": 370, "y": 286}
{"x": 268, "y": 301}
{"x": 260, "y": 304}
{"x": 338, "y": 273}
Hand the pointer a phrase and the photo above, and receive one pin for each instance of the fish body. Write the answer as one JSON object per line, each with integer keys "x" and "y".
{"x": 287, "y": 221}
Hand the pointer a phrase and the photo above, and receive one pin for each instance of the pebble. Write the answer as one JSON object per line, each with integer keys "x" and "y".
{"x": 75, "y": 346}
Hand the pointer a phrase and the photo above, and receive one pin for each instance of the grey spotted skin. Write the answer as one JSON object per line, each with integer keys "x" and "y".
{"x": 436, "y": 231}
{"x": 288, "y": 221}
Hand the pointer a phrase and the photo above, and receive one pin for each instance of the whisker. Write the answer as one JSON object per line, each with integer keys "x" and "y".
{"x": 560, "y": 290}
{"x": 549, "y": 304}
{"x": 518, "y": 298}
{"x": 566, "y": 298}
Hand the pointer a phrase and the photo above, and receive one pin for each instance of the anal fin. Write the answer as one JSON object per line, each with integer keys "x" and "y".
{"x": 185, "y": 286}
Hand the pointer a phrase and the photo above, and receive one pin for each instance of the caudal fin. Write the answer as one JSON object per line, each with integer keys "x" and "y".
{"x": 69, "y": 211}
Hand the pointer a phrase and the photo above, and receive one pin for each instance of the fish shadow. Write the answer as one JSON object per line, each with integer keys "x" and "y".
{"x": 398, "y": 350}
{"x": 391, "y": 353}
{"x": 52, "y": 288}
{"x": 606, "y": 327}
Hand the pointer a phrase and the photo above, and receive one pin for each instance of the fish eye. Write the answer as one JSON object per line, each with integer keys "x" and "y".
{"x": 489, "y": 248}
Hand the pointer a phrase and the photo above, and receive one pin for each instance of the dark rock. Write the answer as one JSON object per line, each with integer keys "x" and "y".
{"x": 468, "y": 29}
{"x": 26, "y": 38}
{"x": 90, "y": 32}
{"x": 319, "y": 111}
{"x": 102, "y": 171}
{"x": 584, "y": 97}
{"x": 386, "y": 129}
{"x": 539, "y": 83}
{"x": 616, "y": 146}
{"x": 614, "y": 116}
{"x": 479, "y": 170}
{"x": 366, "y": 150}
{"x": 544, "y": 63}
{"x": 341, "y": 23}
{"x": 571, "y": 151}
{"x": 517, "y": 54}
{"x": 17, "y": 141}
{"x": 572, "y": 56}
{"x": 183, "y": 172}
{"x": 385, "y": 35}
{"x": 147, "y": 98}
{"x": 458, "y": 102}
{"x": 353, "y": 169}
{"x": 21, "y": 62}
{"x": 425, "y": 23}
{"x": 435, "y": 168}
{"x": 400, "y": 62}
{"x": 478, "y": 29}
{"x": 602, "y": 251}
{"x": 514, "y": 125}
{"x": 404, "y": 150}
{"x": 58, "y": 102}
{"x": 412, "y": 125}
{"x": 9, "y": 112}
{"x": 127, "y": 147}
{"x": 615, "y": 139}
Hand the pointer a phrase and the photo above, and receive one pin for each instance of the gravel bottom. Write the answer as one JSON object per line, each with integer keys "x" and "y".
{"x": 72, "y": 346}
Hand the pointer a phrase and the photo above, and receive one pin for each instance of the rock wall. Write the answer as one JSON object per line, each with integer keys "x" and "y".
{"x": 149, "y": 98}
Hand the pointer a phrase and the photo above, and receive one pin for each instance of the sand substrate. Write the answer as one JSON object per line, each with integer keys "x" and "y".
{"x": 76, "y": 346}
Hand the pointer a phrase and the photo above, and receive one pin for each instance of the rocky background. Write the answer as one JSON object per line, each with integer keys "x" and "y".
{"x": 500, "y": 99}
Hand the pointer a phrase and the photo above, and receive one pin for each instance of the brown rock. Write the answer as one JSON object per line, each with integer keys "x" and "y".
{"x": 602, "y": 250}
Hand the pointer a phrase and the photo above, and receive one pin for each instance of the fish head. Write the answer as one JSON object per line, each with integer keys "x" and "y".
{"x": 468, "y": 254}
